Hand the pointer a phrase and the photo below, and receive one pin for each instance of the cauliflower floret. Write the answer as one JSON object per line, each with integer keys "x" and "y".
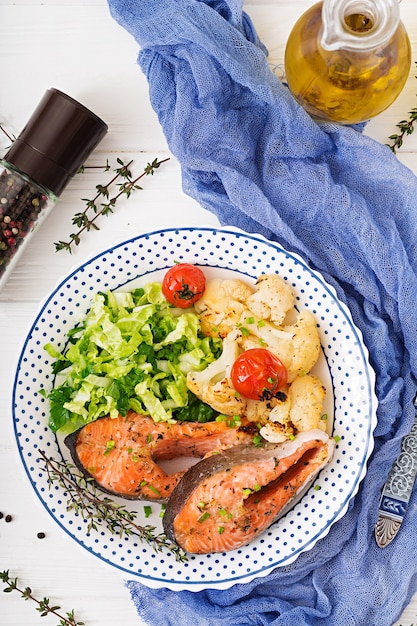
{"x": 272, "y": 300}
{"x": 246, "y": 318}
{"x": 279, "y": 427}
{"x": 257, "y": 333}
{"x": 305, "y": 344}
{"x": 299, "y": 410}
{"x": 306, "y": 395}
{"x": 274, "y": 432}
{"x": 213, "y": 384}
{"x": 259, "y": 411}
{"x": 221, "y": 305}
{"x": 296, "y": 345}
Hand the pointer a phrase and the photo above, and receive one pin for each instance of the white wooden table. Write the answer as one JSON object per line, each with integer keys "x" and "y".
{"x": 75, "y": 46}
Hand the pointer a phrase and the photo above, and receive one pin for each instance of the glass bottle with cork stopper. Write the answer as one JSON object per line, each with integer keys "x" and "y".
{"x": 51, "y": 148}
{"x": 348, "y": 60}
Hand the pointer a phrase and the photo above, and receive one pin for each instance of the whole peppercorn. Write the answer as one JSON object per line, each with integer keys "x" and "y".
{"x": 21, "y": 203}
{"x": 53, "y": 145}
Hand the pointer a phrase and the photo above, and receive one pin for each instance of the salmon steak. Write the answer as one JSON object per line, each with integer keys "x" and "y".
{"x": 226, "y": 500}
{"x": 121, "y": 454}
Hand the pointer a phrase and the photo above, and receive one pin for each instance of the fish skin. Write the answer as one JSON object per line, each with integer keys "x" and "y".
{"x": 210, "y": 509}
{"x": 128, "y": 467}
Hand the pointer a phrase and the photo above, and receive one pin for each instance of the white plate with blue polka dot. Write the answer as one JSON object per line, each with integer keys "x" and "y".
{"x": 343, "y": 367}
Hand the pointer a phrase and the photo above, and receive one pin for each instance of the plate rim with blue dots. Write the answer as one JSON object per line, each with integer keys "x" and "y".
{"x": 219, "y": 252}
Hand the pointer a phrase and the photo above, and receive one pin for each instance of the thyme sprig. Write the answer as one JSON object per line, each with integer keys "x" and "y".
{"x": 406, "y": 127}
{"x": 105, "y": 167}
{"x": 11, "y": 138}
{"x": 44, "y": 607}
{"x": 85, "y": 500}
{"x": 127, "y": 185}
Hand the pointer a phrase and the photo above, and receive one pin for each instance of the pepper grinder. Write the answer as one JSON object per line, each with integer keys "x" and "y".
{"x": 54, "y": 144}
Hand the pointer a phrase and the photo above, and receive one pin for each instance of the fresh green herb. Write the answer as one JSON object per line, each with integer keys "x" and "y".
{"x": 144, "y": 483}
{"x": 257, "y": 441}
{"x": 98, "y": 510}
{"x": 336, "y": 438}
{"x": 317, "y": 487}
{"x": 195, "y": 411}
{"x": 83, "y": 219}
{"x": 203, "y": 518}
{"x": 44, "y": 606}
{"x": 110, "y": 445}
{"x": 245, "y": 331}
{"x": 105, "y": 167}
{"x": 232, "y": 421}
{"x": 11, "y": 138}
{"x": 406, "y": 127}
{"x": 147, "y": 510}
{"x": 221, "y": 530}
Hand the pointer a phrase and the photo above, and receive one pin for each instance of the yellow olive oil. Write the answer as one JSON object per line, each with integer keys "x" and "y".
{"x": 345, "y": 85}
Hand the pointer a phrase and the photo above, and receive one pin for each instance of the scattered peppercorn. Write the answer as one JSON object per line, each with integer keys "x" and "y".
{"x": 8, "y": 518}
{"x": 1, "y": 515}
{"x": 41, "y": 535}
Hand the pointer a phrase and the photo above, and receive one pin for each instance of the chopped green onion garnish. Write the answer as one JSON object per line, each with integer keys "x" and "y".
{"x": 109, "y": 446}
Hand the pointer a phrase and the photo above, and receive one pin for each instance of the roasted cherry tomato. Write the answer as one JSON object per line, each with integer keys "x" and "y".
{"x": 258, "y": 374}
{"x": 183, "y": 285}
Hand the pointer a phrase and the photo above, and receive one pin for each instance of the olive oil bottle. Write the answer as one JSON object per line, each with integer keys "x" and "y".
{"x": 348, "y": 60}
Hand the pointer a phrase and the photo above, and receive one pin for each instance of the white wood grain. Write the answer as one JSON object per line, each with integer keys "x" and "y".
{"x": 74, "y": 45}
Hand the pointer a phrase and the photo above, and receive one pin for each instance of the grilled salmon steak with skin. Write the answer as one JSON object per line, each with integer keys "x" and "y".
{"x": 121, "y": 454}
{"x": 226, "y": 500}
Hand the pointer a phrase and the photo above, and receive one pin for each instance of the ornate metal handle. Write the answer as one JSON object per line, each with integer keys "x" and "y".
{"x": 397, "y": 489}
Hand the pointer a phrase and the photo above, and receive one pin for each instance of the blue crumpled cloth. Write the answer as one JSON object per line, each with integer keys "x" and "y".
{"x": 343, "y": 202}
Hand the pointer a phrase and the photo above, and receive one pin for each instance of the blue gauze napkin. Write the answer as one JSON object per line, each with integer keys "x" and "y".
{"x": 343, "y": 202}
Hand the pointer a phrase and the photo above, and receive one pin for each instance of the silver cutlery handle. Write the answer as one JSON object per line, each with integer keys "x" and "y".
{"x": 397, "y": 489}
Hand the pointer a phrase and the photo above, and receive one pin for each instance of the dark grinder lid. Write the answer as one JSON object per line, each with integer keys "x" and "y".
{"x": 56, "y": 141}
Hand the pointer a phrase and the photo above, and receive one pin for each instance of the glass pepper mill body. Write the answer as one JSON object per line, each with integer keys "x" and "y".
{"x": 23, "y": 205}
{"x": 54, "y": 143}
{"x": 348, "y": 60}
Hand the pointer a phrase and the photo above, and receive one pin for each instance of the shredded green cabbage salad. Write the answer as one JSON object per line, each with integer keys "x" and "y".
{"x": 133, "y": 351}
